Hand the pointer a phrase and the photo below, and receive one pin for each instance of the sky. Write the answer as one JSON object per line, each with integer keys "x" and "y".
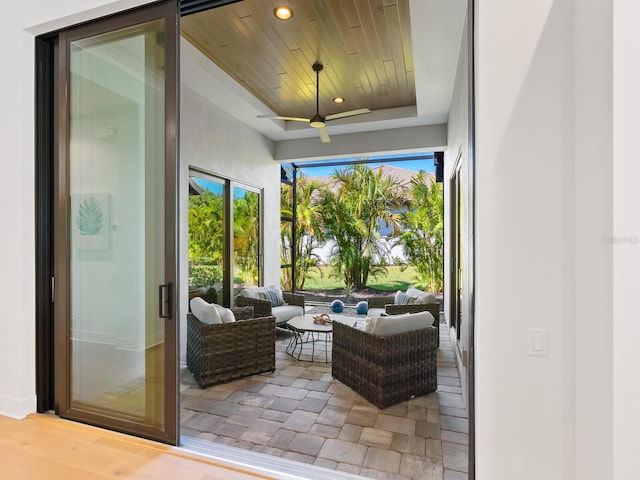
{"x": 416, "y": 165}
{"x": 217, "y": 187}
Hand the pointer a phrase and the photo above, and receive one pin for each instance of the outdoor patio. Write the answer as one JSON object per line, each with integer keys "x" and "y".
{"x": 299, "y": 412}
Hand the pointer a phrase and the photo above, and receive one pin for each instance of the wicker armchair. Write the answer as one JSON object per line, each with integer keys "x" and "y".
{"x": 294, "y": 307}
{"x": 222, "y": 352}
{"x": 385, "y": 369}
{"x": 391, "y": 308}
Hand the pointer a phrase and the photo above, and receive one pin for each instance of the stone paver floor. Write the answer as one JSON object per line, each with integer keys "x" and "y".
{"x": 300, "y": 412}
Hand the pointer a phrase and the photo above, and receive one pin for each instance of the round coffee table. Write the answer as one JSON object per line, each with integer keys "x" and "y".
{"x": 305, "y": 331}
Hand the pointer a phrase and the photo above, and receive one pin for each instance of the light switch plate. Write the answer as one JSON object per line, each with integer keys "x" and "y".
{"x": 537, "y": 342}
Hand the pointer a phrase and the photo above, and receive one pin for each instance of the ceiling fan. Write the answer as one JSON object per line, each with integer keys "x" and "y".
{"x": 319, "y": 121}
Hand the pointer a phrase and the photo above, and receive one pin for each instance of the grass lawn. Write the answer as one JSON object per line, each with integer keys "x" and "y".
{"x": 395, "y": 279}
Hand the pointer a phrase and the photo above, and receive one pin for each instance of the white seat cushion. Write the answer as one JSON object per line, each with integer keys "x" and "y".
{"x": 407, "y": 322}
{"x": 285, "y": 313}
{"x": 375, "y": 312}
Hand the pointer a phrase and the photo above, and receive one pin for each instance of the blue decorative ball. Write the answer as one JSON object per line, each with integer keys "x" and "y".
{"x": 362, "y": 307}
{"x": 337, "y": 306}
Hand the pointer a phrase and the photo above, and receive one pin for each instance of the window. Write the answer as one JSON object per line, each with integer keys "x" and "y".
{"x": 225, "y": 240}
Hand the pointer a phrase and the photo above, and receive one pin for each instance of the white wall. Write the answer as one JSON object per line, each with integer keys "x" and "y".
{"x": 458, "y": 147}
{"x": 544, "y": 190}
{"x": 625, "y": 308}
{"x": 593, "y": 252}
{"x": 213, "y": 141}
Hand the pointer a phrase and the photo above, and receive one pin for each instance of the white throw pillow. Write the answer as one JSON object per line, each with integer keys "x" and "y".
{"x": 408, "y": 322}
{"x": 421, "y": 296}
{"x": 204, "y": 311}
{"x": 226, "y": 315}
{"x": 402, "y": 298}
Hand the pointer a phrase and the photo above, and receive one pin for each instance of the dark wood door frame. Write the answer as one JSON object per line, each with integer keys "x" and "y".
{"x": 46, "y": 50}
{"x": 49, "y": 142}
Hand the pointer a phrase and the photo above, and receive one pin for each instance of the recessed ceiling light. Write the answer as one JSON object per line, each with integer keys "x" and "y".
{"x": 338, "y": 100}
{"x": 283, "y": 12}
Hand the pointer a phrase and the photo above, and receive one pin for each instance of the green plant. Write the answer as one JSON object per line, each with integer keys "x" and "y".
{"x": 309, "y": 231}
{"x": 396, "y": 278}
{"x": 352, "y": 215}
{"x": 204, "y": 275}
{"x": 423, "y": 235}
{"x": 246, "y": 236}
{"x": 349, "y": 289}
{"x": 206, "y": 217}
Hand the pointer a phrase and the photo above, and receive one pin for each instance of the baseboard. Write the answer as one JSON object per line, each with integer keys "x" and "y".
{"x": 17, "y": 408}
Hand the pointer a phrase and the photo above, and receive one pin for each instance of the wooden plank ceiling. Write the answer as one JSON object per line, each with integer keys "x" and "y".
{"x": 364, "y": 45}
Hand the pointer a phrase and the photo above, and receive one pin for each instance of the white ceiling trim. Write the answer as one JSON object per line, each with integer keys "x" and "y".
{"x": 398, "y": 140}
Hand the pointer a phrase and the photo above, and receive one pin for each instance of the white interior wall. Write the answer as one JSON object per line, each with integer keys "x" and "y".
{"x": 458, "y": 147}
{"x": 525, "y": 427}
{"x": 624, "y": 308}
{"x": 544, "y": 190}
{"x": 524, "y": 239}
{"x": 217, "y": 143}
{"x": 593, "y": 252}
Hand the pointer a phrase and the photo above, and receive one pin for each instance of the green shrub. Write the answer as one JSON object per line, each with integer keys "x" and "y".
{"x": 204, "y": 275}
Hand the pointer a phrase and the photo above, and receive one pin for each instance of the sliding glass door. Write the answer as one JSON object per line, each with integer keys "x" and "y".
{"x": 115, "y": 242}
{"x": 225, "y": 239}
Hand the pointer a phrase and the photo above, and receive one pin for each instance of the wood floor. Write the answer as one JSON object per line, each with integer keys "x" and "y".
{"x": 47, "y": 447}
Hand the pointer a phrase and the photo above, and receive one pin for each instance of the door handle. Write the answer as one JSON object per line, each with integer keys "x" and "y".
{"x": 164, "y": 299}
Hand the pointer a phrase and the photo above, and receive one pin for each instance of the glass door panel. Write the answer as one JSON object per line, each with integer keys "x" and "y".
{"x": 286, "y": 255}
{"x": 286, "y": 232}
{"x": 207, "y": 221}
{"x": 246, "y": 238}
{"x": 117, "y": 187}
{"x": 117, "y": 227}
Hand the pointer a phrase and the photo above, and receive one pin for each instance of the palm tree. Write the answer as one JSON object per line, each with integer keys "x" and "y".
{"x": 246, "y": 236}
{"x": 308, "y": 230}
{"x": 363, "y": 199}
{"x": 423, "y": 236}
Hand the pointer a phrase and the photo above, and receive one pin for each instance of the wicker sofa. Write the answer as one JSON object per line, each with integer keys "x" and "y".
{"x": 385, "y": 369}
{"x": 222, "y": 352}
{"x": 386, "y": 305}
{"x": 293, "y": 306}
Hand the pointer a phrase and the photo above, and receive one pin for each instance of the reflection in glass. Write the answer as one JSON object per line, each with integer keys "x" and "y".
{"x": 206, "y": 237}
{"x": 246, "y": 238}
{"x": 286, "y": 235}
{"x": 116, "y": 178}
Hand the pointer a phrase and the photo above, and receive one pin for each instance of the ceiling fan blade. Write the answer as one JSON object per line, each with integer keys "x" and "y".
{"x": 350, "y": 113}
{"x": 324, "y": 136}
{"x": 293, "y": 119}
